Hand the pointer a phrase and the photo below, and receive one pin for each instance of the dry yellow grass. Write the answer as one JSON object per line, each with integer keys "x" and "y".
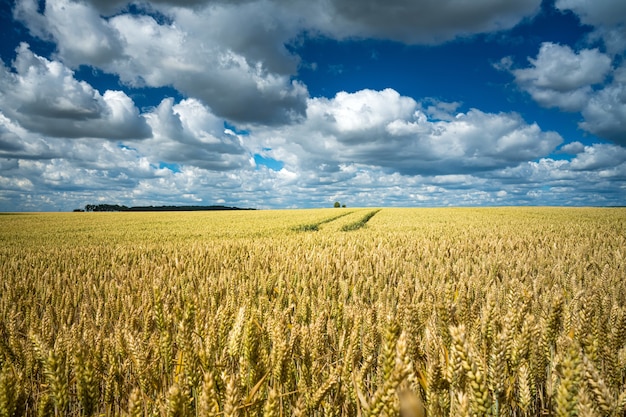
{"x": 502, "y": 311}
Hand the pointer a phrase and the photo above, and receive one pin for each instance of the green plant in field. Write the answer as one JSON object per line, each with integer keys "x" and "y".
{"x": 314, "y": 227}
{"x": 360, "y": 223}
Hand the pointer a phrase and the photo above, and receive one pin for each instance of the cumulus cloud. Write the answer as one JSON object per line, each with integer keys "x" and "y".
{"x": 233, "y": 59}
{"x": 594, "y": 179}
{"x": 386, "y": 130}
{"x": 608, "y": 17}
{"x": 599, "y": 157}
{"x": 558, "y": 68}
{"x": 258, "y": 31}
{"x": 82, "y": 37}
{"x": 365, "y": 111}
{"x": 9, "y": 141}
{"x": 560, "y": 77}
{"x": 599, "y": 12}
{"x": 44, "y": 97}
{"x": 61, "y": 184}
{"x": 391, "y": 149}
{"x": 572, "y": 148}
{"x": 17, "y": 142}
{"x": 62, "y": 174}
{"x": 235, "y": 86}
{"x": 605, "y": 113}
{"x": 188, "y": 133}
{"x": 575, "y": 81}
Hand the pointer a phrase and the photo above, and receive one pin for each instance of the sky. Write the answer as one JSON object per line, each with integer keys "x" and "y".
{"x": 298, "y": 103}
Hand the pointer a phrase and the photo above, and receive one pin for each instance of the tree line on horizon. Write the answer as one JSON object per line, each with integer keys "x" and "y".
{"x": 118, "y": 207}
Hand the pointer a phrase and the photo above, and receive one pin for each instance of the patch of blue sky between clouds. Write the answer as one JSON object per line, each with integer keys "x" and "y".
{"x": 229, "y": 127}
{"x": 126, "y": 147}
{"x": 175, "y": 168}
{"x": 271, "y": 163}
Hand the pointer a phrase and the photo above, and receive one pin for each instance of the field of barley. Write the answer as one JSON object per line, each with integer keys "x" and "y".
{"x": 325, "y": 312}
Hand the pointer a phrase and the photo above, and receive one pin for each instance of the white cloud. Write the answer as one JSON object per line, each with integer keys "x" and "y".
{"x": 363, "y": 111}
{"x": 614, "y": 38}
{"x": 607, "y": 16}
{"x": 44, "y": 97}
{"x": 559, "y": 77}
{"x": 81, "y": 35}
{"x": 572, "y": 148}
{"x": 561, "y": 182}
{"x": 605, "y": 112}
{"x": 558, "y": 67}
{"x": 573, "y": 81}
{"x": 385, "y": 130}
{"x": 365, "y": 148}
{"x": 596, "y": 13}
{"x": 233, "y": 85}
{"x": 17, "y": 142}
{"x": 188, "y": 133}
{"x": 232, "y": 58}
{"x": 15, "y": 184}
{"x": 62, "y": 185}
{"x": 599, "y": 157}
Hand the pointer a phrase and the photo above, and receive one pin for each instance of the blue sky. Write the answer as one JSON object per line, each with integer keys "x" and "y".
{"x": 277, "y": 104}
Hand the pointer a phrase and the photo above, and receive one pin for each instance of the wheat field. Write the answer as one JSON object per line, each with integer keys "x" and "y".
{"x": 325, "y": 312}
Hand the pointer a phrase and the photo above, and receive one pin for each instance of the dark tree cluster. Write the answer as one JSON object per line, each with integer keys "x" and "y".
{"x": 117, "y": 207}
{"x": 106, "y": 207}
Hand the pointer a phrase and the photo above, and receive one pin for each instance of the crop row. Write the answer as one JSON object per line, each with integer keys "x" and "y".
{"x": 361, "y": 222}
{"x": 313, "y": 227}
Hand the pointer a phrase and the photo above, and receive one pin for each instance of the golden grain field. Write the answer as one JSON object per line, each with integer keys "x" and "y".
{"x": 438, "y": 312}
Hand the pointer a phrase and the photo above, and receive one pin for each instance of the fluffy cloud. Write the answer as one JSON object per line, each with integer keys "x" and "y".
{"x": 562, "y": 182}
{"x": 187, "y": 133}
{"x": 599, "y": 157}
{"x": 17, "y": 142}
{"x": 559, "y": 77}
{"x": 61, "y": 185}
{"x": 596, "y": 13}
{"x": 61, "y": 174}
{"x": 605, "y": 113}
{"x": 368, "y": 147}
{"x": 558, "y": 68}
{"x": 607, "y": 16}
{"x": 571, "y": 81}
{"x": 44, "y": 97}
{"x": 385, "y": 130}
{"x": 363, "y": 112}
{"x": 232, "y": 85}
{"x": 81, "y": 35}
{"x": 572, "y": 148}
{"x": 241, "y": 70}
